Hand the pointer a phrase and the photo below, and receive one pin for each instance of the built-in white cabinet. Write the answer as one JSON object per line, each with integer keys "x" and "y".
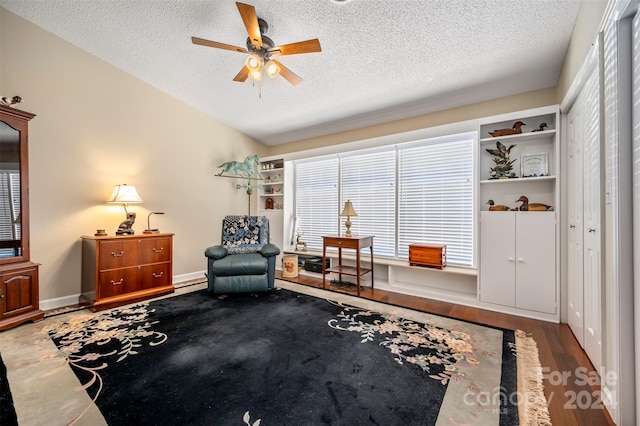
{"x": 518, "y": 261}
{"x": 518, "y": 249}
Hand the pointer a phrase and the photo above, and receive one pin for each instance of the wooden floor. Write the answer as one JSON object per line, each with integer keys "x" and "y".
{"x": 559, "y": 351}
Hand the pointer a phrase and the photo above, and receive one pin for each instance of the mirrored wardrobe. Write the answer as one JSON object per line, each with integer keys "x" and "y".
{"x": 18, "y": 274}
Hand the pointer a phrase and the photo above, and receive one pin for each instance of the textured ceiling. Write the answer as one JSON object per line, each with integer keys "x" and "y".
{"x": 381, "y": 60}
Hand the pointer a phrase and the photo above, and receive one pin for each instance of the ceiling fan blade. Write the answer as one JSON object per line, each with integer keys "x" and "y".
{"x": 242, "y": 75}
{"x": 288, "y": 75}
{"x": 248, "y": 14}
{"x": 307, "y": 46}
{"x": 203, "y": 42}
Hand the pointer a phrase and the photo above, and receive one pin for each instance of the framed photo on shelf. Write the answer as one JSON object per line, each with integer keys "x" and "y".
{"x": 535, "y": 165}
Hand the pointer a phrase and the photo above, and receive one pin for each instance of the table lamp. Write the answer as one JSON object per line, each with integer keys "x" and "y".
{"x": 125, "y": 194}
{"x": 348, "y": 211}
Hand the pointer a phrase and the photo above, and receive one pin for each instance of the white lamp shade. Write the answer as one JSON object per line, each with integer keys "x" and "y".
{"x": 349, "y": 210}
{"x": 124, "y": 194}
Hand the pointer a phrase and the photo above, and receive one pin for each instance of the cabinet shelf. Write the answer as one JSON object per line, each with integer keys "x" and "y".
{"x": 517, "y": 180}
{"x": 529, "y": 136}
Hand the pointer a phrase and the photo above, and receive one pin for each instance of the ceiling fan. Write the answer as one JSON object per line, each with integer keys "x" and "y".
{"x": 261, "y": 49}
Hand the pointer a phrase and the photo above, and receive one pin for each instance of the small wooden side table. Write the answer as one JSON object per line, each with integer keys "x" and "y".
{"x": 357, "y": 243}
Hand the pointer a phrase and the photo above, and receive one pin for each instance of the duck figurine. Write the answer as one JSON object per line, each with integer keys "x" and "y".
{"x": 498, "y": 208}
{"x": 514, "y": 130}
{"x": 532, "y": 207}
{"x": 541, "y": 128}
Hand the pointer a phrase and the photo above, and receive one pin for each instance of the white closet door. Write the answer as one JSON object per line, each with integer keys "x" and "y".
{"x": 584, "y": 253}
{"x": 575, "y": 278}
{"x": 592, "y": 230}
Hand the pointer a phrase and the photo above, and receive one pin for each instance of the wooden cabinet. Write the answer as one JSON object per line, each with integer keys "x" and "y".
{"x": 518, "y": 261}
{"x": 18, "y": 275}
{"x": 19, "y": 294}
{"x": 124, "y": 269}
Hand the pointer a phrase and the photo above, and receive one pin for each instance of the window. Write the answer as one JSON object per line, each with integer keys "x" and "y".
{"x": 435, "y": 197}
{"x": 418, "y": 192}
{"x": 369, "y": 181}
{"x": 316, "y": 200}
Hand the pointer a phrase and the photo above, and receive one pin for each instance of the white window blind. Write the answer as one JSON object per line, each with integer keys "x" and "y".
{"x": 435, "y": 197}
{"x": 421, "y": 192}
{"x": 369, "y": 182}
{"x": 317, "y": 200}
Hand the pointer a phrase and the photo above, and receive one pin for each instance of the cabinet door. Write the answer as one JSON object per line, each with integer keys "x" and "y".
{"x": 497, "y": 258}
{"x": 536, "y": 261}
{"x": 19, "y": 292}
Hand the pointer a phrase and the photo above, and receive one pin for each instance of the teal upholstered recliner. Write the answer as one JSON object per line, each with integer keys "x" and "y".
{"x": 245, "y": 262}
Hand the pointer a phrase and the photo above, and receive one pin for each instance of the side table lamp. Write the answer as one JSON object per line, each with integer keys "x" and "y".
{"x": 348, "y": 211}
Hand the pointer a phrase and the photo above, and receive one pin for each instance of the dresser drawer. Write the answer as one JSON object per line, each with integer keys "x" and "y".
{"x": 123, "y": 253}
{"x": 129, "y": 280}
{"x": 341, "y": 242}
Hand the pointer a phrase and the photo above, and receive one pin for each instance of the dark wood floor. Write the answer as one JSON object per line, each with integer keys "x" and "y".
{"x": 559, "y": 351}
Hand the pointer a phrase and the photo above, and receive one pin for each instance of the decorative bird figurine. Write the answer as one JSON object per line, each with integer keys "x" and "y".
{"x": 541, "y": 128}
{"x": 501, "y": 150}
{"x": 498, "y": 208}
{"x": 514, "y": 130}
{"x": 10, "y": 102}
{"x": 532, "y": 207}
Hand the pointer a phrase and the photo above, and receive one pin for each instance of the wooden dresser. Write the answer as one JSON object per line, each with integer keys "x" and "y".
{"x": 122, "y": 269}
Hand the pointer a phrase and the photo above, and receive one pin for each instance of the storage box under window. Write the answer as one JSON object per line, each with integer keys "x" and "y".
{"x": 429, "y": 255}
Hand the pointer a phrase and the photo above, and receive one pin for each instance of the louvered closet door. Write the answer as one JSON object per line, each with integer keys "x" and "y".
{"x": 575, "y": 277}
{"x": 584, "y": 256}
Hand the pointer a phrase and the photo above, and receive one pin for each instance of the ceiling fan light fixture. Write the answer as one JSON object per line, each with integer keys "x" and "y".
{"x": 272, "y": 69}
{"x": 256, "y": 74}
{"x": 253, "y": 62}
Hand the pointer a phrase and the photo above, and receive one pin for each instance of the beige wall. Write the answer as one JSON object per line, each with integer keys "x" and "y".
{"x": 97, "y": 126}
{"x": 483, "y": 109}
{"x": 584, "y": 35}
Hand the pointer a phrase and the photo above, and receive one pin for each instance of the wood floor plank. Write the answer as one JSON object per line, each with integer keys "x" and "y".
{"x": 564, "y": 363}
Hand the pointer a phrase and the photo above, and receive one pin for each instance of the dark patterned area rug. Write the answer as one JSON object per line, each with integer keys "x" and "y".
{"x": 285, "y": 358}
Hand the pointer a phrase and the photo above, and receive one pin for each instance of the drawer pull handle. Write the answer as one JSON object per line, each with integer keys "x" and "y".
{"x": 160, "y": 250}
{"x": 158, "y": 275}
{"x": 117, "y": 255}
{"x": 117, "y": 282}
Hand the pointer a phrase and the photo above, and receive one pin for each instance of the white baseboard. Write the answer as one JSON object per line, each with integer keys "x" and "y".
{"x": 188, "y": 277}
{"x": 59, "y": 302}
{"x": 62, "y": 302}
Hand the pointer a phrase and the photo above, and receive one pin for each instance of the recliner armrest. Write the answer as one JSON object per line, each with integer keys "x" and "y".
{"x": 216, "y": 252}
{"x": 269, "y": 250}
